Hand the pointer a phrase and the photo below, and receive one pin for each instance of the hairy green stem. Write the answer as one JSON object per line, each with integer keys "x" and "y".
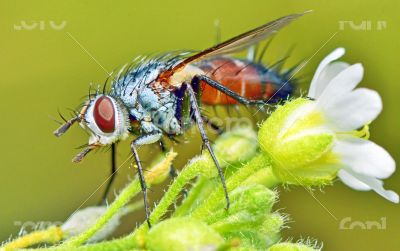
{"x": 229, "y": 152}
{"x": 189, "y": 172}
{"x": 157, "y": 173}
{"x": 123, "y": 198}
{"x": 200, "y": 165}
{"x": 51, "y": 235}
{"x": 200, "y": 190}
{"x": 256, "y": 163}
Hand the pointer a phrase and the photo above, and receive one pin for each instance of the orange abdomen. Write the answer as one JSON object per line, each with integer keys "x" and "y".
{"x": 242, "y": 77}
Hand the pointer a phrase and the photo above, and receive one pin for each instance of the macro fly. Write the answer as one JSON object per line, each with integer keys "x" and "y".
{"x": 161, "y": 96}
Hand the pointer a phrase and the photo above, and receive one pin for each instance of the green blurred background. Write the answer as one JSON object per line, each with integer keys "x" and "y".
{"x": 45, "y": 69}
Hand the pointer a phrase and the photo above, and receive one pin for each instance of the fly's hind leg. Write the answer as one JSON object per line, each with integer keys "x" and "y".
{"x": 144, "y": 140}
{"x": 217, "y": 128}
{"x": 227, "y": 91}
{"x": 204, "y": 137}
{"x": 112, "y": 175}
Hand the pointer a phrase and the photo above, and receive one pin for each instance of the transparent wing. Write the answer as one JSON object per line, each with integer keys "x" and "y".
{"x": 241, "y": 41}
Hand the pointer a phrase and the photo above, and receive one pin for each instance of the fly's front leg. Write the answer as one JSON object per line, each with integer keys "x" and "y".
{"x": 145, "y": 139}
{"x": 204, "y": 137}
{"x": 112, "y": 175}
{"x": 227, "y": 91}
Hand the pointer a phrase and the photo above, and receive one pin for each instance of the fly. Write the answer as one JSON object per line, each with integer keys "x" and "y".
{"x": 152, "y": 91}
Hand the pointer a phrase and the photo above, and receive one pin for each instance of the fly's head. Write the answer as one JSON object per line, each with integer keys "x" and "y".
{"x": 104, "y": 118}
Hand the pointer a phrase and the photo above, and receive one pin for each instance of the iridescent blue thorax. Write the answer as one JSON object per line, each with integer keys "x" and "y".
{"x": 146, "y": 100}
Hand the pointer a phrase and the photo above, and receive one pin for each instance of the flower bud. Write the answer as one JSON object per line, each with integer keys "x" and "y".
{"x": 232, "y": 147}
{"x": 271, "y": 227}
{"x": 260, "y": 230}
{"x": 298, "y": 144}
{"x": 83, "y": 219}
{"x": 238, "y": 222}
{"x": 237, "y": 145}
{"x": 178, "y": 234}
{"x": 253, "y": 199}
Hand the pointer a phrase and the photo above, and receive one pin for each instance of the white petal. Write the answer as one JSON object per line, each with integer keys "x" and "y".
{"x": 339, "y": 52}
{"x": 329, "y": 72}
{"x": 373, "y": 183}
{"x": 365, "y": 157}
{"x": 353, "y": 110}
{"x": 343, "y": 83}
{"x": 352, "y": 182}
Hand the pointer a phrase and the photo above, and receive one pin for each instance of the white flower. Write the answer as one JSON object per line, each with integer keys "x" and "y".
{"x": 345, "y": 109}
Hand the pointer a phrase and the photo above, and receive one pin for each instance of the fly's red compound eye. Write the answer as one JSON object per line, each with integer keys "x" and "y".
{"x": 104, "y": 114}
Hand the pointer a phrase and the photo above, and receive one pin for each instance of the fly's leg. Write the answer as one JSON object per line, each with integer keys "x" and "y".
{"x": 142, "y": 182}
{"x": 196, "y": 88}
{"x": 214, "y": 126}
{"x": 112, "y": 175}
{"x": 144, "y": 140}
{"x": 227, "y": 91}
{"x": 206, "y": 141}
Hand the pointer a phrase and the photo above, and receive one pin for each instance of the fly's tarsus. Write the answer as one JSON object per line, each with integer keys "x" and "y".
{"x": 78, "y": 158}
{"x": 63, "y": 128}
